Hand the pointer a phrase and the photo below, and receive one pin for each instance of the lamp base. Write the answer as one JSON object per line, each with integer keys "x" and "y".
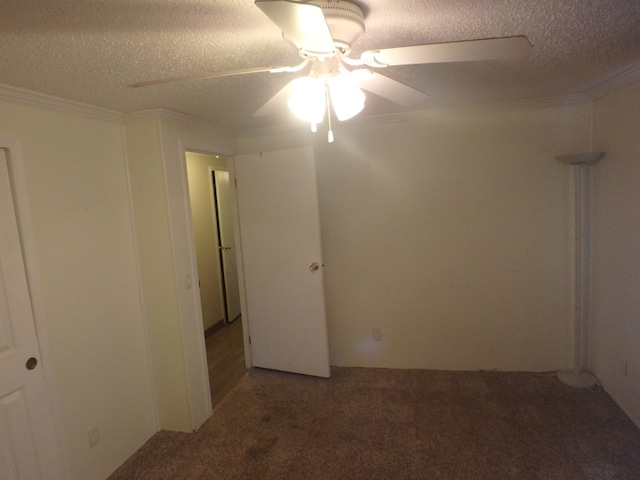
{"x": 577, "y": 379}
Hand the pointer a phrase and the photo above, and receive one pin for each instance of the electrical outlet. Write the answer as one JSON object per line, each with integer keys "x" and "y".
{"x": 94, "y": 435}
{"x": 377, "y": 334}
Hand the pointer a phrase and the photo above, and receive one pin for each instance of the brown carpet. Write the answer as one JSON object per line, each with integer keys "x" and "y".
{"x": 400, "y": 424}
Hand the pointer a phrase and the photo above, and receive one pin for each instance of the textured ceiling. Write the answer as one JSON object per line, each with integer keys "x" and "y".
{"x": 91, "y": 50}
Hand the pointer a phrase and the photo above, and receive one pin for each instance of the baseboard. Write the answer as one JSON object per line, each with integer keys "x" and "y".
{"x": 214, "y": 328}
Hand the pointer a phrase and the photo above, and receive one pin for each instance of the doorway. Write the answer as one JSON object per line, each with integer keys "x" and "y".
{"x": 212, "y": 220}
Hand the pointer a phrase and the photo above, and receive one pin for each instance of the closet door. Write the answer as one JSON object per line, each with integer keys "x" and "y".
{"x": 26, "y": 433}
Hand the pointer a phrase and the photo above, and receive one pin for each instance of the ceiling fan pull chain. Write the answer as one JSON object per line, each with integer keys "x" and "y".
{"x": 328, "y": 102}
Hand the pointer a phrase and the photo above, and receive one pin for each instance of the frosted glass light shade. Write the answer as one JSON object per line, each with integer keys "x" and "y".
{"x": 347, "y": 99}
{"x": 308, "y": 100}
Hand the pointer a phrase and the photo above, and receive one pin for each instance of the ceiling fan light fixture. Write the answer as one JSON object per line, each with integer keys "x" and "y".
{"x": 347, "y": 99}
{"x": 344, "y": 19}
{"x": 308, "y": 99}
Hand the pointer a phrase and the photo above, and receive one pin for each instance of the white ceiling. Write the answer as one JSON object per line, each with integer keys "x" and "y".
{"x": 91, "y": 50}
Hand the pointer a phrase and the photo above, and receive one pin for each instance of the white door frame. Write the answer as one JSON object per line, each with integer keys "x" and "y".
{"x": 192, "y": 326}
{"x": 55, "y": 458}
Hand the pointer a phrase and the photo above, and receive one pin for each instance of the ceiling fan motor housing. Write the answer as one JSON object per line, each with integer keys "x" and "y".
{"x": 345, "y": 21}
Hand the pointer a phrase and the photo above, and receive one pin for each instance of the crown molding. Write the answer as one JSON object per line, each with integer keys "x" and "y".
{"x": 142, "y": 116}
{"x": 616, "y": 82}
{"x": 482, "y": 108}
{"x": 49, "y": 102}
{"x": 163, "y": 114}
{"x": 27, "y": 97}
{"x": 297, "y": 129}
{"x": 527, "y": 104}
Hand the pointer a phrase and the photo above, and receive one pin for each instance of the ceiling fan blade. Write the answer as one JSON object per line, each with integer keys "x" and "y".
{"x": 506, "y": 48}
{"x": 303, "y": 24}
{"x": 278, "y": 102}
{"x": 388, "y": 88}
{"x": 202, "y": 76}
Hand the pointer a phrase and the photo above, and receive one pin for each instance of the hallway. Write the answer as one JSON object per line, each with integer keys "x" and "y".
{"x": 225, "y": 358}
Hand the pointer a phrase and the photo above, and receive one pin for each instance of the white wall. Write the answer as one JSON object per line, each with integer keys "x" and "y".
{"x": 157, "y": 141}
{"x": 151, "y": 217}
{"x": 181, "y": 134}
{"x": 75, "y": 217}
{"x": 616, "y": 247}
{"x": 449, "y": 233}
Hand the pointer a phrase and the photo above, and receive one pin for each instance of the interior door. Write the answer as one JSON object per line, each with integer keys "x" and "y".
{"x": 282, "y": 259}
{"x": 227, "y": 244}
{"x": 26, "y": 434}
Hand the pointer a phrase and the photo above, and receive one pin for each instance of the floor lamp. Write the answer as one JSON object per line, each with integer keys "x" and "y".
{"x": 580, "y": 165}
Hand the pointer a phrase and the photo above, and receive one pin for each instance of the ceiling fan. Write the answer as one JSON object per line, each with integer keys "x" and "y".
{"x": 323, "y": 32}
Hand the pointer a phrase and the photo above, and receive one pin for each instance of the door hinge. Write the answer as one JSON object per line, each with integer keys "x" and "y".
{"x": 235, "y": 180}
{"x": 249, "y": 339}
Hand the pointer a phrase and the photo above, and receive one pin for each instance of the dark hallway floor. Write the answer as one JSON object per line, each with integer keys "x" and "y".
{"x": 225, "y": 357}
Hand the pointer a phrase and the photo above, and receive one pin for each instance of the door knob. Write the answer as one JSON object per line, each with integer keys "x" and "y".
{"x": 314, "y": 266}
{"x": 31, "y": 363}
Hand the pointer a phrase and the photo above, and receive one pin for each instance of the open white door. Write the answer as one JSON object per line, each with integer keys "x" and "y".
{"x": 227, "y": 243}
{"x": 26, "y": 433}
{"x": 282, "y": 259}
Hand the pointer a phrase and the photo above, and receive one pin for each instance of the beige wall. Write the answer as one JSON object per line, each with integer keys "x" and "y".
{"x": 616, "y": 247}
{"x": 181, "y": 134}
{"x": 73, "y": 205}
{"x": 156, "y": 143}
{"x": 151, "y": 215}
{"x": 448, "y": 233}
{"x": 206, "y": 233}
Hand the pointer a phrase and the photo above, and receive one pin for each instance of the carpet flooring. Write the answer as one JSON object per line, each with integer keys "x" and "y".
{"x": 400, "y": 424}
